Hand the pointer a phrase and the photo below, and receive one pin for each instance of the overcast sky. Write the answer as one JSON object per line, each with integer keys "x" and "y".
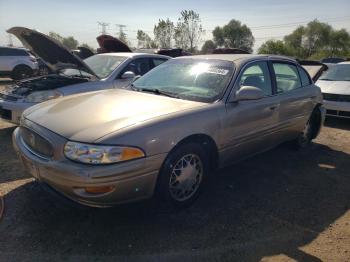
{"x": 270, "y": 19}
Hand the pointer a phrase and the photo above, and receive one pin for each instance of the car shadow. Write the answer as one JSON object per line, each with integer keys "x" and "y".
{"x": 340, "y": 123}
{"x": 271, "y": 204}
{"x": 10, "y": 167}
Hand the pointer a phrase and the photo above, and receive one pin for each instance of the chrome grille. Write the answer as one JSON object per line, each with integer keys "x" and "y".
{"x": 336, "y": 97}
{"x": 36, "y": 143}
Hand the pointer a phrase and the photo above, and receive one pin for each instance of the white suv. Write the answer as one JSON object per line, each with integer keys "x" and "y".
{"x": 17, "y": 63}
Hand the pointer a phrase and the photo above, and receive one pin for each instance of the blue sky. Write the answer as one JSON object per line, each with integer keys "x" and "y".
{"x": 267, "y": 19}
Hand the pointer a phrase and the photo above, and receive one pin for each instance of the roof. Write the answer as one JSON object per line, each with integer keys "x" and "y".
{"x": 236, "y": 57}
{"x": 129, "y": 54}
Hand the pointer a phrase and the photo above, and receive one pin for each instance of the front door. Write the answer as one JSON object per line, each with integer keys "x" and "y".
{"x": 248, "y": 126}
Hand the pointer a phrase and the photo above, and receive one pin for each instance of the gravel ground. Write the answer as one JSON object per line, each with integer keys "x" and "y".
{"x": 282, "y": 205}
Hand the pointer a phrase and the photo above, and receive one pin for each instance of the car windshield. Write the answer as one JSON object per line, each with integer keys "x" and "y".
{"x": 340, "y": 72}
{"x": 191, "y": 79}
{"x": 103, "y": 65}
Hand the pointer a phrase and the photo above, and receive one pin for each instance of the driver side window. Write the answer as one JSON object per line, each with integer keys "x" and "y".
{"x": 257, "y": 75}
{"x": 138, "y": 66}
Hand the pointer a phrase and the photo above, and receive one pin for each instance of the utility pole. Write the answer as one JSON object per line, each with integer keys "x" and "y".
{"x": 103, "y": 26}
{"x": 10, "y": 42}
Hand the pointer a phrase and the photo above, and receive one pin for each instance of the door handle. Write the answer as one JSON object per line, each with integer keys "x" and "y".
{"x": 273, "y": 108}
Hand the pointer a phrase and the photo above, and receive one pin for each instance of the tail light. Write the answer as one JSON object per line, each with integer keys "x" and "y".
{"x": 33, "y": 59}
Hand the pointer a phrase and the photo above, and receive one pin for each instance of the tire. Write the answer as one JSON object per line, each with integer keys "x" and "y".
{"x": 21, "y": 72}
{"x": 310, "y": 130}
{"x": 183, "y": 175}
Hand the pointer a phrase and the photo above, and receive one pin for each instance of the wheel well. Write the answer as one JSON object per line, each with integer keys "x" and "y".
{"x": 316, "y": 118}
{"x": 208, "y": 144}
{"x": 21, "y": 65}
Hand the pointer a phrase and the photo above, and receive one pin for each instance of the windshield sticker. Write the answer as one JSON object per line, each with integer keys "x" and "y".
{"x": 217, "y": 71}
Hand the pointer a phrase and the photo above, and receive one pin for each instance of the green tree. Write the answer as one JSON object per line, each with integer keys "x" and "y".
{"x": 88, "y": 47}
{"x": 163, "y": 33}
{"x": 188, "y": 30}
{"x": 234, "y": 35}
{"x": 208, "y": 46}
{"x": 273, "y": 47}
{"x": 69, "y": 42}
{"x": 144, "y": 40}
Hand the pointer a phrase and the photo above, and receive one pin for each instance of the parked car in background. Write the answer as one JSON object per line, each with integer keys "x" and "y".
{"x": 229, "y": 51}
{"x": 168, "y": 133}
{"x": 335, "y": 86}
{"x": 83, "y": 52}
{"x": 172, "y": 52}
{"x": 73, "y": 75}
{"x": 17, "y": 63}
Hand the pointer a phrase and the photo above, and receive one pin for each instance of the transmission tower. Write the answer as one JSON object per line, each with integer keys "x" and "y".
{"x": 121, "y": 29}
{"x": 103, "y": 26}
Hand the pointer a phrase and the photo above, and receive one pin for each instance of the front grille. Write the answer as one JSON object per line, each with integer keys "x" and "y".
{"x": 338, "y": 113}
{"x": 5, "y": 114}
{"x": 7, "y": 97}
{"x": 36, "y": 143}
{"x": 335, "y": 97}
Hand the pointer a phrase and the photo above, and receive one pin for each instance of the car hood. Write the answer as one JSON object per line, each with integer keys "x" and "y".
{"x": 51, "y": 51}
{"x": 87, "y": 117}
{"x": 334, "y": 87}
{"x": 109, "y": 44}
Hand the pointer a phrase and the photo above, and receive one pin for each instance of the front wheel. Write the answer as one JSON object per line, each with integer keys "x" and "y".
{"x": 183, "y": 175}
{"x": 21, "y": 72}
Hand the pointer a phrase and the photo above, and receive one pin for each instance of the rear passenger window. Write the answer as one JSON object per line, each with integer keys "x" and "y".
{"x": 257, "y": 75}
{"x": 157, "y": 61}
{"x": 287, "y": 77}
{"x": 305, "y": 79}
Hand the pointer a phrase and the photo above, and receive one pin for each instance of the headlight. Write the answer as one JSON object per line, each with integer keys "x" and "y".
{"x": 41, "y": 96}
{"x": 95, "y": 154}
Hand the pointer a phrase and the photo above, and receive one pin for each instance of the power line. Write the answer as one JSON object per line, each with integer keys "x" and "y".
{"x": 121, "y": 29}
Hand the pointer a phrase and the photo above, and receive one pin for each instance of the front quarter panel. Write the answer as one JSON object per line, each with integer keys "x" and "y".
{"x": 162, "y": 134}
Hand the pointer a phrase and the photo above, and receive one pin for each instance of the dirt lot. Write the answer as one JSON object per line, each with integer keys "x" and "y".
{"x": 283, "y": 205}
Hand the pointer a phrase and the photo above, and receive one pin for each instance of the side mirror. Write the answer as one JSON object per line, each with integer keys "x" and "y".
{"x": 128, "y": 75}
{"x": 248, "y": 93}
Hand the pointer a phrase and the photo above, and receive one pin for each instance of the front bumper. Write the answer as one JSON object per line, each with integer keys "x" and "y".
{"x": 337, "y": 109}
{"x": 12, "y": 110}
{"x": 132, "y": 181}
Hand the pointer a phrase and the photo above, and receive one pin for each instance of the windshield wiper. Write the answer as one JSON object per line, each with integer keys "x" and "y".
{"x": 154, "y": 91}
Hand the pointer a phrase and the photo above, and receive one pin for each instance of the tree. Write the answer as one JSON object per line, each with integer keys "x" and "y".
{"x": 88, "y": 47}
{"x": 275, "y": 47}
{"x": 208, "y": 46}
{"x": 318, "y": 40}
{"x": 69, "y": 42}
{"x": 144, "y": 40}
{"x": 163, "y": 33}
{"x": 188, "y": 30}
{"x": 234, "y": 35}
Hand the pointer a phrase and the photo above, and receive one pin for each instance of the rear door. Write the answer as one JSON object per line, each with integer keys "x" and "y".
{"x": 249, "y": 126}
{"x": 295, "y": 91}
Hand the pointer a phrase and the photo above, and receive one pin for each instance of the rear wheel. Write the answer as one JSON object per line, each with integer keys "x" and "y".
{"x": 183, "y": 175}
{"x": 310, "y": 130}
{"x": 21, "y": 72}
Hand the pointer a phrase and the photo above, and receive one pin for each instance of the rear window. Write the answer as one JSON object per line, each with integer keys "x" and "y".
{"x": 287, "y": 77}
{"x": 13, "y": 52}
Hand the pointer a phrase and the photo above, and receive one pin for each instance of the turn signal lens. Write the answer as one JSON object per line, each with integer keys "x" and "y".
{"x": 98, "y": 190}
{"x": 131, "y": 153}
